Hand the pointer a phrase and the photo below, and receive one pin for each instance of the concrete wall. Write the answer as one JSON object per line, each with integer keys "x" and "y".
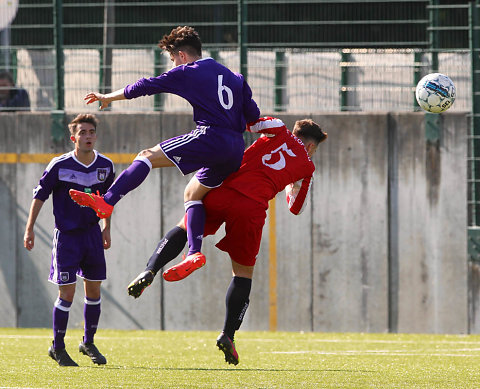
{"x": 381, "y": 246}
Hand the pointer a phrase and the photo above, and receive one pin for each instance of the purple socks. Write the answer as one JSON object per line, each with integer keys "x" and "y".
{"x": 61, "y": 309}
{"x": 91, "y": 314}
{"x": 128, "y": 180}
{"x": 195, "y": 225}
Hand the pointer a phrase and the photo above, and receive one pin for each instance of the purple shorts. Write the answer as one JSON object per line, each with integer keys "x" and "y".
{"x": 77, "y": 253}
{"x": 215, "y": 153}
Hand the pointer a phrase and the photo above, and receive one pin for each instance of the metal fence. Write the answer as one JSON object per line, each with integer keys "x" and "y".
{"x": 310, "y": 56}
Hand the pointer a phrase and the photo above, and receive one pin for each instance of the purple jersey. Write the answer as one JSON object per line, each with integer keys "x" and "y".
{"x": 67, "y": 172}
{"x": 220, "y": 98}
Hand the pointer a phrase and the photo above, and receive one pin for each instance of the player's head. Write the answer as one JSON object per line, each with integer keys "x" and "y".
{"x": 83, "y": 131}
{"x": 310, "y": 133}
{"x": 82, "y": 118}
{"x": 6, "y": 84}
{"x": 184, "y": 45}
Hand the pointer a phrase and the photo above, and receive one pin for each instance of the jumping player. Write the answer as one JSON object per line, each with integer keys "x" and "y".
{"x": 276, "y": 161}
{"x": 222, "y": 105}
{"x": 78, "y": 242}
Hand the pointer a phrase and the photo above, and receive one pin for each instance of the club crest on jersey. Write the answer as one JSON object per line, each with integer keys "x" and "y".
{"x": 102, "y": 174}
{"x": 64, "y": 276}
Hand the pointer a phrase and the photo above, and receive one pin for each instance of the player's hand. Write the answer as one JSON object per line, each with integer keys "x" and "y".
{"x": 95, "y": 96}
{"x": 29, "y": 240}
{"x": 106, "y": 239}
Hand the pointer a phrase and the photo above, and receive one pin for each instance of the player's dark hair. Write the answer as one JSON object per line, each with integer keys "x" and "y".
{"x": 182, "y": 38}
{"x": 82, "y": 118}
{"x": 308, "y": 130}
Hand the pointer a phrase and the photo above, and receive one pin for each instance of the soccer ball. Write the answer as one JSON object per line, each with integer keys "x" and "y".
{"x": 435, "y": 93}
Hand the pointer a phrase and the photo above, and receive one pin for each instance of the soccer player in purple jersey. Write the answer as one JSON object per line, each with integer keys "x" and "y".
{"x": 78, "y": 241}
{"x": 222, "y": 106}
{"x": 279, "y": 159}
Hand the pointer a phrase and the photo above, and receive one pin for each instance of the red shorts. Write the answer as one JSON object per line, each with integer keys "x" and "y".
{"x": 244, "y": 219}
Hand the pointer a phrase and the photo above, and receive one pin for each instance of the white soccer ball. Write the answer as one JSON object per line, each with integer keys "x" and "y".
{"x": 435, "y": 93}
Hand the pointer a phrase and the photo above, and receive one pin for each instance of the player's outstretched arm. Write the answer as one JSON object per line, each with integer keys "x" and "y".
{"x": 91, "y": 97}
{"x": 29, "y": 237}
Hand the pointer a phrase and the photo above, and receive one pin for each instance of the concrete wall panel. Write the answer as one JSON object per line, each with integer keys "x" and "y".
{"x": 432, "y": 266}
{"x": 350, "y": 225}
{"x": 381, "y": 244}
{"x": 8, "y": 228}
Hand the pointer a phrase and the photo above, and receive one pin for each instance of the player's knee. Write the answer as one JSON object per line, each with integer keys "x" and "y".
{"x": 145, "y": 153}
{"x": 67, "y": 295}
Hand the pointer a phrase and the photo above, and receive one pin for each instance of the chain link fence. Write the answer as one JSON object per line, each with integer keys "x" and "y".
{"x": 309, "y": 56}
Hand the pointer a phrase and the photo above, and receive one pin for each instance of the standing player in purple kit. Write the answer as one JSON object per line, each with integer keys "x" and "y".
{"x": 78, "y": 242}
{"x": 222, "y": 106}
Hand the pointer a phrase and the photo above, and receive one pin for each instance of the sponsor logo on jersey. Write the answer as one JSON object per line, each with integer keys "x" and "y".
{"x": 177, "y": 159}
{"x": 86, "y": 179}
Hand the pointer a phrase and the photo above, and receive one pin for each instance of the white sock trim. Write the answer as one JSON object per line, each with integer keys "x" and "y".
{"x": 189, "y": 204}
{"x": 58, "y": 305}
{"x": 144, "y": 160}
{"x": 90, "y": 302}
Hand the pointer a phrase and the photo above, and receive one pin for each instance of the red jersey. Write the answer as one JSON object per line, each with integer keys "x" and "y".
{"x": 271, "y": 163}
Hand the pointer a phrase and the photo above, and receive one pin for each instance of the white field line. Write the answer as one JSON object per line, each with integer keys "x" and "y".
{"x": 386, "y": 341}
{"x": 392, "y": 353}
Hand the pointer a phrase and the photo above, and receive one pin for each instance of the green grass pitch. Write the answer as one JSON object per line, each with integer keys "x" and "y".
{"x": 169, "y": 359}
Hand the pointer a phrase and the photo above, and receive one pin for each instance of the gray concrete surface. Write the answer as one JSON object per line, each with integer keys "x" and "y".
{"x": 380, "y": 247}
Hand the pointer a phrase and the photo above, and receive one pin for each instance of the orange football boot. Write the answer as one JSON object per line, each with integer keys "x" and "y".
{"x": 92, "y": 200}
{"x": 185, "y": 268}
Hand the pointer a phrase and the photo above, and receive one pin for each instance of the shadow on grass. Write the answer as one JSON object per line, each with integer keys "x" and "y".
{"x": 229, "y": 369}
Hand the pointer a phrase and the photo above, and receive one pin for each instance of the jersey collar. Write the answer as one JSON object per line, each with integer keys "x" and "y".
{"x": 75, "y": 158}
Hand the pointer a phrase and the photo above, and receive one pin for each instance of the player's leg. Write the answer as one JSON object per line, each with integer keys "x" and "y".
{"x": 93, "y": 270}
{"x": 237, "y": 298}
{"x": 214, "y": 218}
{"x": 91, "y": 316}
{"x": 127, "y": 181}
{"x": 169, "y": 247}
{"x": 243, "y": 229}
{"x": 193, "y": 196}
{"x": 91, "y": 309}
{"x": 62, "y": 273}
{"x": 61, "y": 310}
{"x": 195, "y": 225}
{"x": 136, "y": 173}
{"x": 236, "y": 302}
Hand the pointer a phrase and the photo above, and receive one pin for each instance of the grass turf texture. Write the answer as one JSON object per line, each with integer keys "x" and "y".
{"x": 168, "y": 359}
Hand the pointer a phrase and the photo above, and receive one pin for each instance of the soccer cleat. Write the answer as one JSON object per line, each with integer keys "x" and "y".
{"x": 91, "y": 351}
{"x": 92, "y": 200}
{"x": 138, "y": 285}
{"x": 61, "y": 357}
{"x": 185, "y": 268}
{"x": 225, "y": 344}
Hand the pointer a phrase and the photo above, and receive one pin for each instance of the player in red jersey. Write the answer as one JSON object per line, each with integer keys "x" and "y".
{"x": 278, "y": 160}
